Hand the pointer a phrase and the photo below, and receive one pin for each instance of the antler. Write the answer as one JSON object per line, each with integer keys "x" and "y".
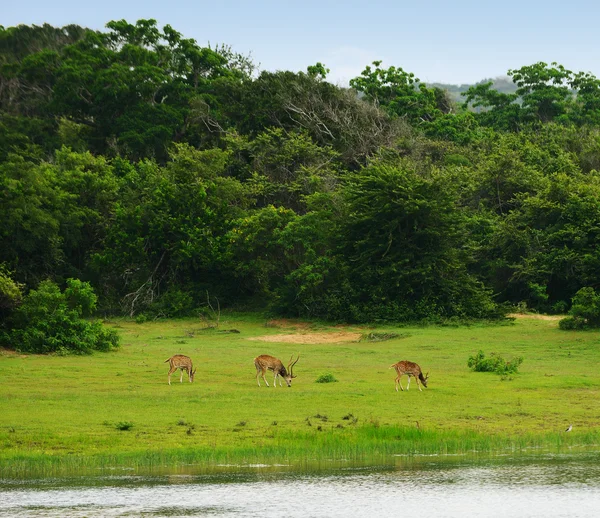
{"x": 291, "y": 365}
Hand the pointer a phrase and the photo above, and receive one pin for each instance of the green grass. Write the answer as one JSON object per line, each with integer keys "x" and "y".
{"x": 65, "y": 413}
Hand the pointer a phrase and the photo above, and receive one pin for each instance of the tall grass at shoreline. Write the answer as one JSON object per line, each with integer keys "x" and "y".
{"x": 115, "y": 410}
{"x": 366, "y": 445}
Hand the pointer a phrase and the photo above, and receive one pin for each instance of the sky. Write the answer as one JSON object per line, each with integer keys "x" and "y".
{"x": 452, "y": 41}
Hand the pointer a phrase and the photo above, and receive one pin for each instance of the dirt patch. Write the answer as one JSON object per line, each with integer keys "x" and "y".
{"x": 288, "y": 323}
{"x": 310, "y": 338}
{"x": 534, "y": 316}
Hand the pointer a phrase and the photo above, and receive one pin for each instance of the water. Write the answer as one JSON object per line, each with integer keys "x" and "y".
{"x": 551, "y": 486}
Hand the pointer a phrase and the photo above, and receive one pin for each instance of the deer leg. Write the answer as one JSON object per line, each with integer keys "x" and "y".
{"x": 171, "y": 371}
{"x": 263, "y": 377}
{"x": 181, "y": 377}
{"x": 275, "y": 380}
{"x": 418, "y": 383}
{"x": 408, "y": 384}
{"x": 399, "y": 382}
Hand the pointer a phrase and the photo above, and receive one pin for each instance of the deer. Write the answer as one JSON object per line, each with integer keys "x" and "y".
{"x": 179, "y": 361}
{"x": 265, "y": 362}
{"x": 410, "y": 369}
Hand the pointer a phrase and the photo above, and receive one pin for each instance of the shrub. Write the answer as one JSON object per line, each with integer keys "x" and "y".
{"x": 51, "y": 321}
{"x": 326, "y": 378}
{"x": 585, "y": 311}
{"x": 11, "y": 292}
{"x": 495, "y": 363}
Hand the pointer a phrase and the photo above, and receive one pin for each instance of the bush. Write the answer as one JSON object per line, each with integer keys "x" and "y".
{"x": 51, "y": 321}
{"x": 326, "y": 378}
{"x": 11, "y": 292}
{"x": 495, "y": 363}
{"x": 585, "y": 311}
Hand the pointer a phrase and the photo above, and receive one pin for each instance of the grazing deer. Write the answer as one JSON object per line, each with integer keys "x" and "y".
{"x": 410, "y": 369}
{"x": 265, "y": 362}
{"x": 179, "y": 361}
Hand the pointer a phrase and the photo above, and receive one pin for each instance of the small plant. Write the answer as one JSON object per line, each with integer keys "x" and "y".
{"x": 351, "y": 418}
{"x": 495, "y": 363}
{"x": 326, "y": 378}
{"x": 182, "y": 422}
{"x": 141, "y": 318}
{"x": 124, "y": 425}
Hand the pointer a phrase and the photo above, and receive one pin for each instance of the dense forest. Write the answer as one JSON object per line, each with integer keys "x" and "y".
{"x": 170, "y": 176}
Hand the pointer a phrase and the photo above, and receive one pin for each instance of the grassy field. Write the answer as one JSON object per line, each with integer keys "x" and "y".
{"x": 116, "y": 409}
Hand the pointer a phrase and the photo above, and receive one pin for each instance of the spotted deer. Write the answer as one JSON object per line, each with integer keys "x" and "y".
{"x": 179, "y": 361}
{"x": 410, "y": 369}
{"x": 265, "y": 362}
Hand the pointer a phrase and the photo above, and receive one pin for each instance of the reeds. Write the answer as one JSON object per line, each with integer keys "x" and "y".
{"x": 368, "y": 444}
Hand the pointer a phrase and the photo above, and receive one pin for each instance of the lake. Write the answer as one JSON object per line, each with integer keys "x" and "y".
{"x": 544, "y": 486}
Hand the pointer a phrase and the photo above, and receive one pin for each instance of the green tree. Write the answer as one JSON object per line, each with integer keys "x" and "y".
{"x": 50, "y": 321}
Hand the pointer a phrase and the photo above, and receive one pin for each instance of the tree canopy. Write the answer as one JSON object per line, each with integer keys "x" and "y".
{"x": 163, "y": 172}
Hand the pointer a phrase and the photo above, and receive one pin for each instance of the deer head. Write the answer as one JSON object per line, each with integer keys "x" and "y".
{"x": 289, "y": 374}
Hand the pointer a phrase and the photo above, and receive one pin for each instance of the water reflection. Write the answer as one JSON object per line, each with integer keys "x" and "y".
{"x": 552, "y": 486}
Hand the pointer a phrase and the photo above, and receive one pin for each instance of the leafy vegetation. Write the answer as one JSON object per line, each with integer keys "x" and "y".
{"x": 585, "y": 311}
{"x": 51, "y": 321}
{"x": 167, "y": 174}
{"x": 326, "y": 378}
{"x": 495, "y": 363}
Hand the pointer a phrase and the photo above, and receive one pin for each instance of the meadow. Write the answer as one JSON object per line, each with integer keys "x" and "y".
{"x": 107, "y": 410}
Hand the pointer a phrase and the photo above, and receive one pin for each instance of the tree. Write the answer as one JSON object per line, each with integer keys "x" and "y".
{"x": 50, "y": 320}
{"x": 400, "y": 93}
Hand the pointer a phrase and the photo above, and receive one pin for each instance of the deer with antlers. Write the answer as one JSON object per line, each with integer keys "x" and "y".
{"x": 410, "y": 369}
{"x": 179, "y": 361}
{"x": 264, "y": 362}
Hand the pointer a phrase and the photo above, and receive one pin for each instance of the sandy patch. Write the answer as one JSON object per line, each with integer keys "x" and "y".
{"x": 286, "y": 322}
{"x": 310, "y": 338}
{"x": 534, "y": 316}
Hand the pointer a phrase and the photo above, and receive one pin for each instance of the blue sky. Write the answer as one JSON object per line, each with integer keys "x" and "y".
{"x": 460, "y": 41}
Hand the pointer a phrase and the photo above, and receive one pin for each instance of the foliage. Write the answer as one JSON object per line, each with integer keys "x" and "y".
{"x": 124, "y": 426}
{"x": 50, "y": 321}
{"x": 326, "y": 378}
{"x": 495, "y": 363}
{"x": 584, "y": 312}
{"x": 159, "y": 170}
{"x": 11, "y": 292}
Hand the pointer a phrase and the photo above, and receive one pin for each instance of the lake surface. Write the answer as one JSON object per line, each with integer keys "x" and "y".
{"x": 551, "y": 486}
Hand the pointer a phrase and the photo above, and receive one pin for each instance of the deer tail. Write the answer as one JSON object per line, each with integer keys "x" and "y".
{"x": 167, "y": 360}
